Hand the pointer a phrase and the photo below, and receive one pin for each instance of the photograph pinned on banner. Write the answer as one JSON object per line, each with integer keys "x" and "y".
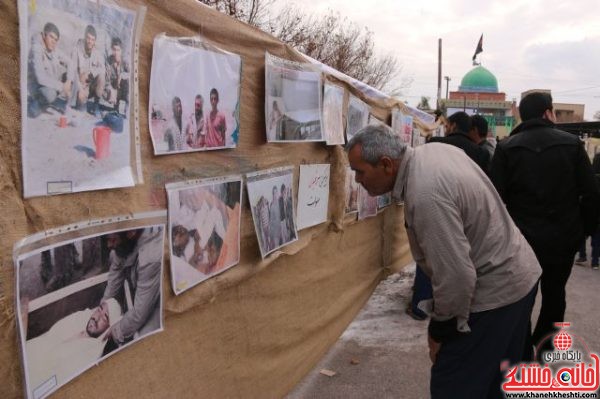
{"x": 367, "y": 205}
{"x": 313, "y": 195}
{"x": 272, "y": 202}
{"x": 204, "y": 229}
{"x": 292, "y": 100}
{"x": 333, "y": 123}
{"x": 408, "y": 129}
{"x": 197, "y": 107}
{"x": 373, "y": 120}
{"x": 398, "y": 126}
{"x": 418, "y": 138}
{"x": 384, "y": 200}
{"x": 357, "y": 117}
{"x": 84, "y": 299}
{"x": 351, "y": 190}
{"x": 77, "y": 61}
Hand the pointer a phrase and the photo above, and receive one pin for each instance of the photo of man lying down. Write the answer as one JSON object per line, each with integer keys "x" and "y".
{"x": 83, "y": 300}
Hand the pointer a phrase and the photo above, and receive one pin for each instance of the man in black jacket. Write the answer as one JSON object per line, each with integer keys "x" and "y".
{"x": 459, "y": 125}
{"x": 545, "y": 178}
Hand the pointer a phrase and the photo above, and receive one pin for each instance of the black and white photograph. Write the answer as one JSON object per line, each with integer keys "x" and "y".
{"x": 357, "y": 117}
{"x": 272, "y": 202}
{"x": 292, "y": 100}
{"x": 76, "y": 92}
{"x": 204, "y": 228}
{"x": 82, "y": 300}
{"x": 194, "y": 96}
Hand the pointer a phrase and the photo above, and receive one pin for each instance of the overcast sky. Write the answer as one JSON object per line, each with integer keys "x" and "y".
{"x": 526, "y": 43}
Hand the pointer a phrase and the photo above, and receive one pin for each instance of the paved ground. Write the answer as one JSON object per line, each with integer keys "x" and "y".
{"x": 383, "y": 353}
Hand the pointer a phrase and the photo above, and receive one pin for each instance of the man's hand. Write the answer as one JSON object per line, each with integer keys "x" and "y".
{"x": 434, "y": 348}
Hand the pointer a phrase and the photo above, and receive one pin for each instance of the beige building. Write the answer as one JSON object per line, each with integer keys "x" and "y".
{"x": 565, "y": 113}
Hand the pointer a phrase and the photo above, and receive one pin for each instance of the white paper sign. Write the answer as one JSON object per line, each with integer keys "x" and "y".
{"x": 313, "y": 195}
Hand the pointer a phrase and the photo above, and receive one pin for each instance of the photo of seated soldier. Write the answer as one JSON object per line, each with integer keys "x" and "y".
{"x": 88, "y": 71}
{"x": 116, "y": 91}
{"x": 47, "y": 74}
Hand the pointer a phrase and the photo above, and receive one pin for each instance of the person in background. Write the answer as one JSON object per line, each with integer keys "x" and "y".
{"x": 545, "y": 178}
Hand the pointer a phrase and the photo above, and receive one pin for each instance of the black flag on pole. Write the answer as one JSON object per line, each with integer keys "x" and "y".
{"x": 479, "y": 48}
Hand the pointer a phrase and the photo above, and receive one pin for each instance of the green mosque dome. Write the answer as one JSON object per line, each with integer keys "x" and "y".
{"x": 479, "y": 80}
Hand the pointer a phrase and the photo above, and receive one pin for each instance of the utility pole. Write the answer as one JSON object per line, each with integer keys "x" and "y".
{"x": 439, "y": 86}
{"x": 447, "y": 84}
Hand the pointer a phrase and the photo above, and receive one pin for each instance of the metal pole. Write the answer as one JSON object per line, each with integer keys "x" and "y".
{"x": 439, "y": 86}
{"x": 447, "y": 83}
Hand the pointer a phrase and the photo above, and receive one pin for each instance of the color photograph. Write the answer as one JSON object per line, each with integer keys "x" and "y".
{"x": 82, "y": 300}
{"x": 367, "y": 205}
{"x": 333, "y": 123}
{"x": 293, "y": 100}
{"x": 351, "y": 192}
{"x": 76, "y": 60}
{"x": 204, "y": 229}
{"x": 194, "y": 96}
{"x": 398, "y": 126}
{"x": 272, "y": 202}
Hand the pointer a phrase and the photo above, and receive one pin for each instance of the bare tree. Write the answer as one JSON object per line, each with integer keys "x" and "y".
{"x": 329, "y": 38}
{"x": 341, "y": 44}
{"x": 597, "y": 115}
{"x": 253, "y": 12}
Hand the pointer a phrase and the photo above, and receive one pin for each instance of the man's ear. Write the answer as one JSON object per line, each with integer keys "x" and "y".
{"x": 388, "y": 165}
{"x": 549, "y": 115}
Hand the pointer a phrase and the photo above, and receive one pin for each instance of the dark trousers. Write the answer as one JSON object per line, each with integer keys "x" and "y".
{"x": 556, "y": 270}
{"x": 422, "y": 291}
{"x": 468, "y": 367}
{"x": 595, "y": 248}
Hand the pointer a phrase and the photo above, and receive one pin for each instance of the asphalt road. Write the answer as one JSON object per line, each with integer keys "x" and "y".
{"x": 383, "y": 353}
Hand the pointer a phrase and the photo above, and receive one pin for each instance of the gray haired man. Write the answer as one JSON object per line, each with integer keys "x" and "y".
{"x": 483, "y": 287}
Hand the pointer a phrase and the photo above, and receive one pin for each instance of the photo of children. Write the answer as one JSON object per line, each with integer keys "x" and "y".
{"x": 204, "y": 228}
{"x": 272, "y": 203}
{"x": 82, "y": 300}
{"x": 292, "y": 100}
{"x": 76, "y": 90}
{"x": 196, "y": 109}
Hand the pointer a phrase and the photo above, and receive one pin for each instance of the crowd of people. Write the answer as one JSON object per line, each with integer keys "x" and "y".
{"x": 485, "y": 234}
{"x": 84, "y": 78}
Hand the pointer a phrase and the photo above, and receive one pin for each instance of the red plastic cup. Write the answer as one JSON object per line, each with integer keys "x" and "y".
{"x": 62, "y": 121}
{"x": 101, "y": 135}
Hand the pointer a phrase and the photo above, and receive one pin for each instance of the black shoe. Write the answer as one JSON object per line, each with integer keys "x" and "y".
{"x": 419, "y": 317}
{"x": 33, "y": 108}
{"x": 59, "y": 104}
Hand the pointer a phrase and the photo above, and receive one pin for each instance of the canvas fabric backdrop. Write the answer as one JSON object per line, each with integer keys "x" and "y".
{"x": 253, "y": 331}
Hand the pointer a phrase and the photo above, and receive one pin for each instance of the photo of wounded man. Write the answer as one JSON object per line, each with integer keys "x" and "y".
{"x": 205, "y": 227}
{"x": 79, "y": 301}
